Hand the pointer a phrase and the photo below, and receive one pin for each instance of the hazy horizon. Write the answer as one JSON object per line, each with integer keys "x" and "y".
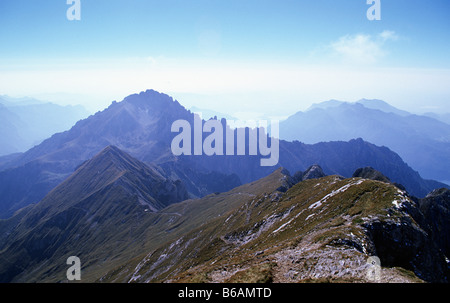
{"x": 256, "y": 57}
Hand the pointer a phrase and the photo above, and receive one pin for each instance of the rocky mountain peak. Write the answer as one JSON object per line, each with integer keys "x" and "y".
{"x": 152, "y": 99}
{"x": 370, "y": 173}
{"x": 112, "y": 167}
{"x": 113, "y": 154}
{"x": 313, "y": 172}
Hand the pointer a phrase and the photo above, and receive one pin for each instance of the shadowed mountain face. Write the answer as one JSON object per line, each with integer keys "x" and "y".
{"x": 141, "y": 126}
{"x": 436, "y": 208}
{"x": 113, "y": 166}
{"x": 422, "y": 142}
{"x": 370, "y": 173}
{"x": 313, "y": 172}
{"x": 341, "y": 158}
{"x": 88, "y": 212}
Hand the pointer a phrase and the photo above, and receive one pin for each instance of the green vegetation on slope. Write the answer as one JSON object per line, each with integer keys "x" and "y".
{"x": 319, "y": 223}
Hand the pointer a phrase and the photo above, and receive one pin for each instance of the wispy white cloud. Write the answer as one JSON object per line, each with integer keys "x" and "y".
{"x": 387, "y": 35}
{"x": 363, "y": 48}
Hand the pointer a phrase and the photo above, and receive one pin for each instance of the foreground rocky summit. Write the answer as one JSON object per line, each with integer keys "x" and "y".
{"x": 324, "y": 230}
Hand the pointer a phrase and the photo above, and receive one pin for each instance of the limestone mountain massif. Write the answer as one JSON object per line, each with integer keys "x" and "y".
{"x": 141, "y": 126}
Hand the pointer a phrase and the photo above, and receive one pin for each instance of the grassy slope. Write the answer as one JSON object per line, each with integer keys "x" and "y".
{"x": 250, "y": 242}
{"x": 253, "y": 233}
{"x": 147, "y": 231}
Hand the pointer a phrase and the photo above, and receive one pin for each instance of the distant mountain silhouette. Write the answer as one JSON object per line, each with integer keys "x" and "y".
{"x": 11, "y": 139}
{"x": 26, "y": 122}
{"x": 445, "y": 117}
{"x": 383, "y": 106}
{"x": 422, "y": 142}
{"x": 140, "y": 125}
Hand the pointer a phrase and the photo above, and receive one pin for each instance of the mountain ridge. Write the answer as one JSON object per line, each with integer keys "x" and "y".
{"x": 32, "y": 121}
{"x": 97, "y": 199}
{"x": 110, "y": 223}
{"x": 320, "y": 230}
{"x": 421, "y": 141}
{"x": 141, "y": 126}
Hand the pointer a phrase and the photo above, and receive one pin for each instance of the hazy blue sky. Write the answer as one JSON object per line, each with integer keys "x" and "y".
{"x": 272, "y": 57}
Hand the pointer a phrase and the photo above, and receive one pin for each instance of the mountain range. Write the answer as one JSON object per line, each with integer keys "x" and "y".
{"x": 421, "y": 141}
{"x": 129, "y": 223}
{"x": 441, "y": 117}
{"x": 27, "y": 122}
{"x": 141, "y": 126}
{"x": 111, "y": 192}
